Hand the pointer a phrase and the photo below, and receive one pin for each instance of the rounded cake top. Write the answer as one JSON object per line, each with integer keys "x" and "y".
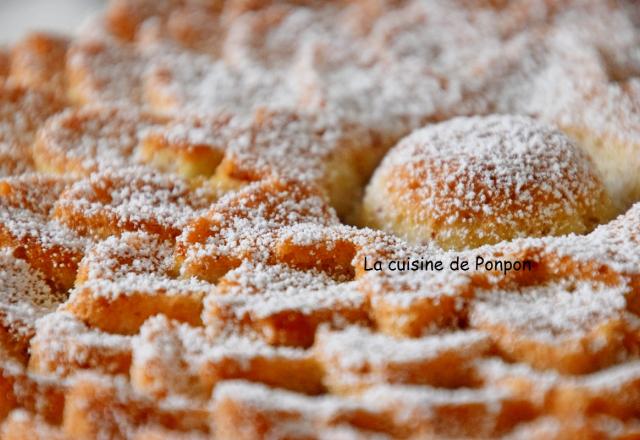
{"x": 477, "y": 180}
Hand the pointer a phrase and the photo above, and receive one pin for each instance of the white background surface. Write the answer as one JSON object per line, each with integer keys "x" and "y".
{"x": 17, "y": 17}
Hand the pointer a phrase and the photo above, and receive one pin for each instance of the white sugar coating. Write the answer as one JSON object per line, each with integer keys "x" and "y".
{"x": 25, "y": 294}
{"x": 540, "y": 74}
{"x": 122, "y": 393}
{"x": 305, "y": 299}
{"x": 189, "y": 83}
{"x": 357, "y": 348}
{"x": 245, "y": 223}
{"x": 404, "y": 288}
{"x": 419, "y": 33}
{"x": 170, "y": 342}
{"x": 498, "y": 166}
{"x": 615, "y": 378}
{"x": 271, "y": 204}
{"x": 309, "y": 90}
{"x": 132, "y": 252}
{"x": 366, "y": 243}
{"x": 214, "y": 132}
{"x": 610, "y": 118}
{"x": 407, "y": 54}
{"x": 19, "y": 416}
{"x": 102, "y": 70}
{"x": 390, "y": 100}
{"x": 94, "y": 137}
{"x": 140, "y": 284}
{"x": 389, "y": 91}
{"x": 409, "y": 401}
{"x": 193, "y": 26}
{"x": 22, "y": 111}
{"x": 38, "y": 393}
{"x": 23, "y": 225}
{"x": 610, "y": 379}
{"x": 407, "y": 70}
{"x": 616, "y": 244}
{"x": 494, "y": 371}
{"x": 61, "y": 338}
{"x": 34, "y": 192}
{"x": 558, "y": 427}
{"x": 259, "y": 278}
{"x": 552, "y": 313}
{"x": 260, "y": 396}
{"x": 308, "y": 143}
{"x": 134, "y": 196}
{"x": 14, "y": 160}
{"x": 348, "y": 432}
{"x": 245, "y": 296}
{"x": 254, "y": 243}
{"x": 612, "y": 246}
{"x": 54, "y": 328}
{"x": 262, "y": 39}
{"x": 187, "y": 134}
{"x": 308, "y": 234}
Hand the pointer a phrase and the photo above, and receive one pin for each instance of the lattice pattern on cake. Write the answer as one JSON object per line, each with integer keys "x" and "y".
{"x": 182, "y": 202}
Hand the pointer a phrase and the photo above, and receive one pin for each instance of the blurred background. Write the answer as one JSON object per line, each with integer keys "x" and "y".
{"x": 19, "y": 16}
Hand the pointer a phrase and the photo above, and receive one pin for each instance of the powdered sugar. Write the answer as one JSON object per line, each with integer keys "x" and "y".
{"x": 551, "y": 313}
{"x": 132, "y": 199}
{"x": 292, "y": 106}
{"x": 25, "y": 297}
{"x": 469, "y": 170}
{"x": 356, "y": 348}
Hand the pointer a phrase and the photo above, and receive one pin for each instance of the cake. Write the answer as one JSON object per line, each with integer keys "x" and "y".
{"x": 307, "y": 219}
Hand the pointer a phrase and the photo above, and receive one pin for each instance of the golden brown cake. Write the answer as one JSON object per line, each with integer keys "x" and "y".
{"x": 473, "y": 181}
{"x": 331, "y": 220}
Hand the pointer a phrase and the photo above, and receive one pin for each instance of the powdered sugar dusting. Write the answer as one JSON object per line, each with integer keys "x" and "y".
{"x": 132, "y": 199}
{"x": 469, "y": 170}
{"x": 355, "y": 348}
{"x": 551, "y": 313}
{"x": 276, "y": 114}
{"x": 25, "y": 297}
{"x": 81, "y": 141}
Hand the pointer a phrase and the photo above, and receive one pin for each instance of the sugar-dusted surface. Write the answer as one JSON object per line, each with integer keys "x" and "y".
{"x": 551, "y": 312}
{"x": 259, "y": 279}
{"x": 80, "y": 141}
{"x": 614, "y": 244}
{"x": 26, "y": 225}
{"x": 14, "y": 160}
{"x": 259, "y": 302}
{"x": 244, "y": 224}
{"x": 145, "y": 284}
{"x": 25, "y": 295}
{"x": 22, "y": 111}
{"x": 233, "y": 301}
{"x": 353, "y": 348}
{"x": 445, "y": 182}
{"x": 131, "y": 199}
{"x": 129, "y": 253}
{"x": 63, "y": 345}
{"x": 206, "y": 361}
{"x": 303, "y": 298}
{"x": 103, "y": 70}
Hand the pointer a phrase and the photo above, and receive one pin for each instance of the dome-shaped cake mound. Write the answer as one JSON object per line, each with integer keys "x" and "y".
{"x": 480, "y": 180}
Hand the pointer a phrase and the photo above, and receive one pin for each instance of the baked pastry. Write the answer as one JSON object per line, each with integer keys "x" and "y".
{"x": 473, "y": 181}
{"x": 4, "y": 62}
{"x": 80, "y": 141}
{"x": 39, "y": 60}
{"x": 184, "y": 193}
